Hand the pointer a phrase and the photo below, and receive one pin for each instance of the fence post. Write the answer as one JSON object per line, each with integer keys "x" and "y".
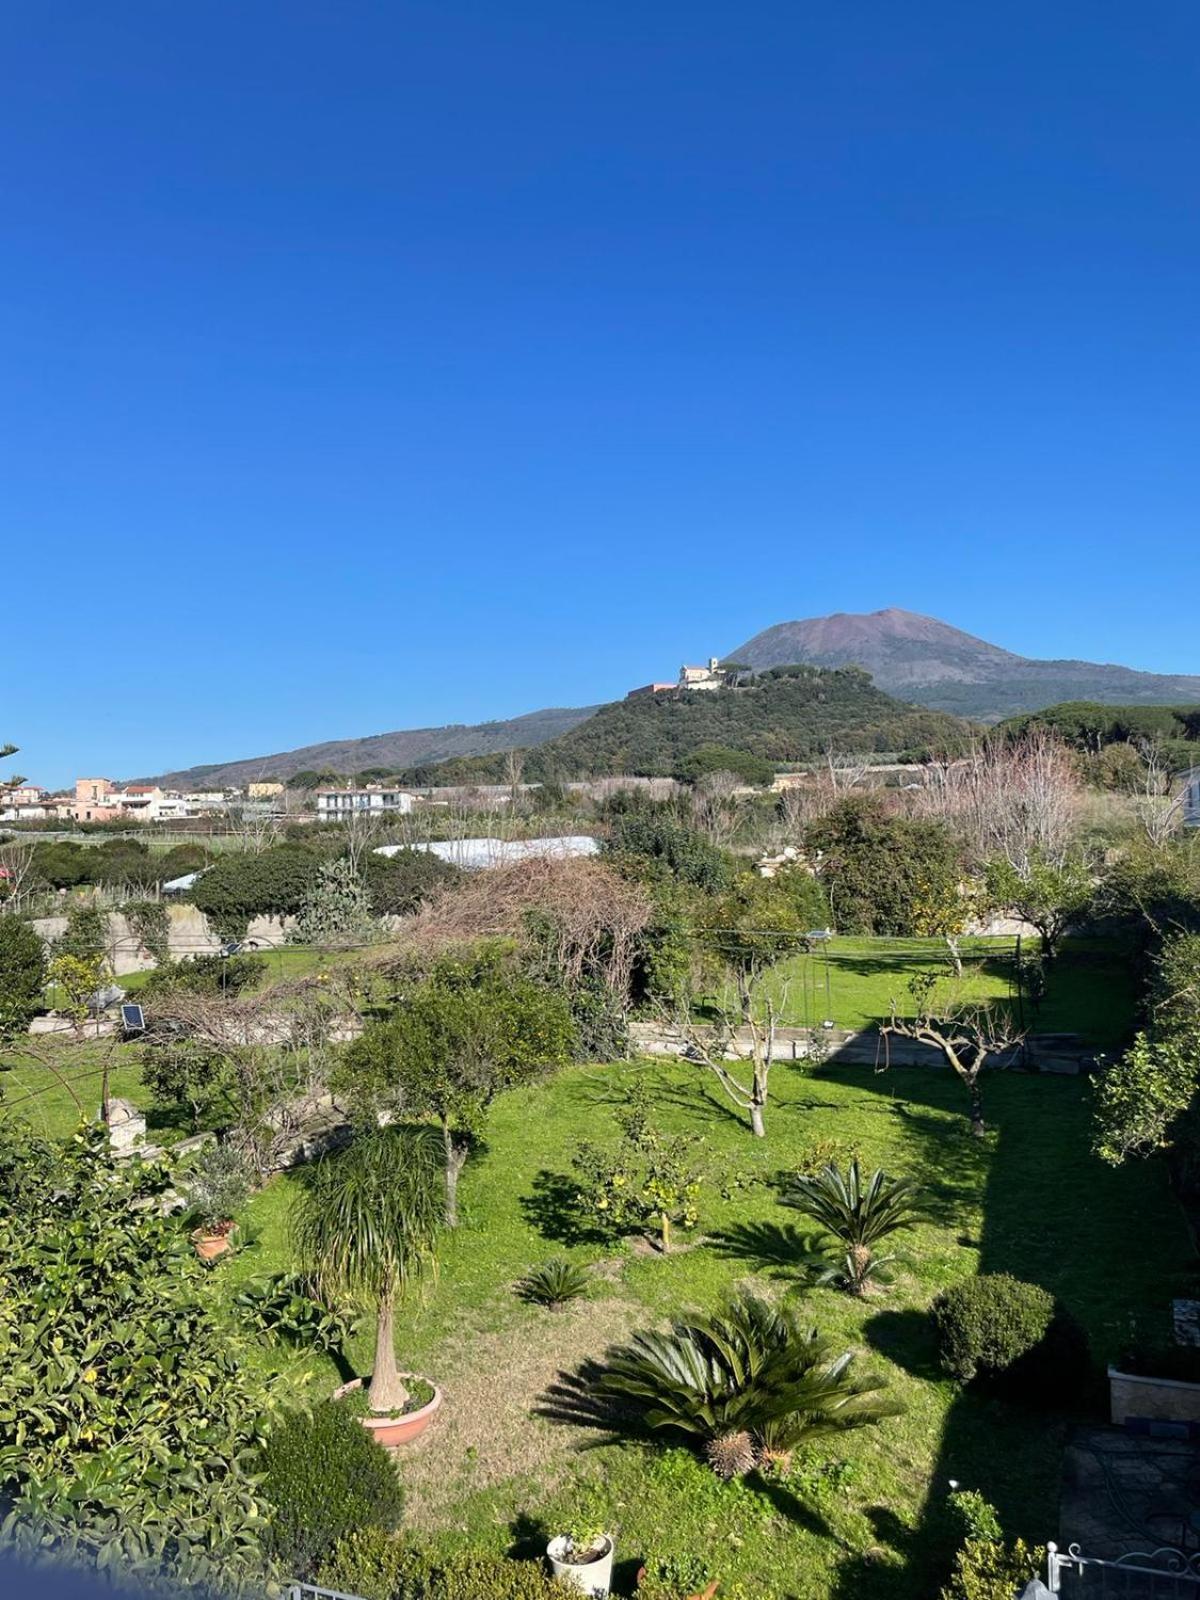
{"x": 1052, "y": 1567}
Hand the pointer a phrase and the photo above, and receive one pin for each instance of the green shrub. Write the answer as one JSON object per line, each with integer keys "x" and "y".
{"x": 996, "y": 1324}
{"x": 984, "y": 1324}
{"x": 485, "y": 1577}
{"x": 208, "y": 974}
{"x": 326, "y": 1477}
{"x": 367, "y": 1562}
{"x": 284, "y": 1306}
{"x": 22, "y": 973}
{"x": 986, "y": 1569}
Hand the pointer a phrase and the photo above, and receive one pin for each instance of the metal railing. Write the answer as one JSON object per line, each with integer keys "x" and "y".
{"x": 1165, "y": 1571}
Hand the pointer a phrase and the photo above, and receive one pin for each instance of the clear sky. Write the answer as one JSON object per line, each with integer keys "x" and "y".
{"x": 368, "y": 366}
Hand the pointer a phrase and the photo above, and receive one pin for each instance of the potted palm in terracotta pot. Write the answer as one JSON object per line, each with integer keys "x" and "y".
{"x": 366, "y": 1229}
{"x": 219, "y": 1187}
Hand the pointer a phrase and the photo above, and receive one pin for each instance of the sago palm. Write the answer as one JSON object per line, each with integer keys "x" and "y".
{"x": 745, "y": 1379}
{"x": 366, "y": 1228}
{"x": 859, "y": 1214}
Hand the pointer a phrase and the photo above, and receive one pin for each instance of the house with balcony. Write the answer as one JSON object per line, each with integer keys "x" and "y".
{"x": 376, "y": 800}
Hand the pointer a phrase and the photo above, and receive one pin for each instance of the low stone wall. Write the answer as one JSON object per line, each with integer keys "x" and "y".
{"x": 188, "y": 935}
{"x": 1136, "y": 1398}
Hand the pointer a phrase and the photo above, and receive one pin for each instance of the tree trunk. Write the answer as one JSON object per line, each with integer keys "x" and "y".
{"x": 756, "y": 1122}
{"x": 978, "y": 1126}
{"x": 387, "y": 1391}
{"x": 456, "y": 1160}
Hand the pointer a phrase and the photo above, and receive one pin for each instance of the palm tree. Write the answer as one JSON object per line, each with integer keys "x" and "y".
{"x": 748, "y": 1381}
{"x": 858, "y": 1215}
{"x": 366, "y": 1228}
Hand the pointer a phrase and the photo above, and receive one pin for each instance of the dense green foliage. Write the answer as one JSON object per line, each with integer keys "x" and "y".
{"x": 996, "y": 1325}
{"x": 658, "y": 838}
{"x": 751, "y": 1369}
{"x": 1091, "y": 727}
{"x": 710, "y": 758}
{"x": 398, "y": 884}
{"x": 326, "y": 1478}
{"x": 240, "y": 887}
{"x": 1142, "y": 1097}
{"x": 784, "y": 717}
{"x": 227, "y": 976}
{"x": 1053, "y": 896}
{"x": 22, "y": 973}
{"x": 457, "y": 1039}
{"x": 370, "y": 1564}
{"x": 883, "y": 873}
{"x": 128, "y": 1432}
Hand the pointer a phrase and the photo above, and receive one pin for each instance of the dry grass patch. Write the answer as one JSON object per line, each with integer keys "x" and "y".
{"x": 487, "y": 1432}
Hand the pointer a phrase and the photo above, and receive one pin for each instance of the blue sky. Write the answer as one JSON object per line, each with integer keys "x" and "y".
{"x": 367, "y": 366}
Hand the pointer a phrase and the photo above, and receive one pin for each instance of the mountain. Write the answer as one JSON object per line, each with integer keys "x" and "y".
{"x": 788, "y": 715}
{"x": 922, "y": 659}
{"x": 388, "y": 751}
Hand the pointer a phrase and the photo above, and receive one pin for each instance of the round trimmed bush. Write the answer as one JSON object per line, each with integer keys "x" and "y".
{"x": 368, "y": 1562}
{"x": 325, "y": 1478}
{"x": 996, "y": 1324}
{"x": 984, "y": 1324}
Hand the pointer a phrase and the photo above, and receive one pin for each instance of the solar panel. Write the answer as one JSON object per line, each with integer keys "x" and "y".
{"x": 132, "y": 1019}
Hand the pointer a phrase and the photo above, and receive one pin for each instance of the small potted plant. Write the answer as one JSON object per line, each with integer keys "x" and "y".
{"x": 220, "y": 1186}
{"x": 582, "y": 1555}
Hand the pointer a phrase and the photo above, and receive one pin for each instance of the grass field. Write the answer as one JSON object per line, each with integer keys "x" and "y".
{"x": 854, "y": 1518}
{"x": 1089, "y": 988}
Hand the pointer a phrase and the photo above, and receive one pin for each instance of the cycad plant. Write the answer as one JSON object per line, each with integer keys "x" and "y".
{"x": 743, "y": 1383}
{"x": 366, "y": 1228}
{"x": 859, "y": 1214}
{"x": 554, "y": 1284}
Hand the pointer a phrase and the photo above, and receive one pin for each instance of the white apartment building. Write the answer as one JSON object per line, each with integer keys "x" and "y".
{"x": 337, "y": 805}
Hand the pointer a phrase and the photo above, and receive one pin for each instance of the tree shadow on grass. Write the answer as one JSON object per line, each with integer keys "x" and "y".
{"x": 776, "y": 1248}
{"x": 907, "y": 1339}
{"x": 555, "y": 1209}
{"x": 575, "y": 1400}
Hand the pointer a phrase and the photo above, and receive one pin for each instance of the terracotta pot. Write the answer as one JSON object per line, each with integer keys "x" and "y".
{"x": 210, "y": 1245}
{"x": 392, "y": 1431}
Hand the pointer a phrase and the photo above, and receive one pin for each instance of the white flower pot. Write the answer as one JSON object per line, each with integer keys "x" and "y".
{"x": 589, "y": 1577}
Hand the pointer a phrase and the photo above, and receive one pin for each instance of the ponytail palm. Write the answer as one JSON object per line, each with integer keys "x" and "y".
{"x": 858, "y": 1213}
{"x": 366, "y": 1228}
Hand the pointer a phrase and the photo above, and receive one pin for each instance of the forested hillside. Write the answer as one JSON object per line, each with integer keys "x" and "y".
{"x": 788, "y": 715}
{"x": 1174, "y": 731}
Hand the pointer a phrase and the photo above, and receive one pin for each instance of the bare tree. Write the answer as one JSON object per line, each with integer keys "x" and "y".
{"x": 1159, "y": 798}
{"x": 714, "y": 806}
{"x": 1013, "y": 800}
{"x": 19, "y": 878}
{"x": 969, "y": 1034}
{"x": 742, "y": 1039}
{"x": 814, "y": 794}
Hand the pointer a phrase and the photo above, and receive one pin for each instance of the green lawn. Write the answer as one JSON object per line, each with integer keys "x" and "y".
{"x": 1089, "y": 989}
{"x": 853, "y": 1518}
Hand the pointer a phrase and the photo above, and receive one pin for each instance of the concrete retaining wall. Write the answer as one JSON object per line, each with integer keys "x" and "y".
{"x": 1133, "y": 1397}
{"x": 188, "y": 935}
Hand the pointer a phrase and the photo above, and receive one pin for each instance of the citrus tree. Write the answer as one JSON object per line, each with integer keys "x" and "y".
{"x": 129, "y": 1430}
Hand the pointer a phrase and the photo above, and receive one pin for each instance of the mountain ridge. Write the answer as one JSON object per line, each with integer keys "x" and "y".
{"x": 405, "y": 747}
{"x": 925, "y": 660}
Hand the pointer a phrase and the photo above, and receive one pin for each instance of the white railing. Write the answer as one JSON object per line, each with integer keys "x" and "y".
{"x": 1174, "y": 1568}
